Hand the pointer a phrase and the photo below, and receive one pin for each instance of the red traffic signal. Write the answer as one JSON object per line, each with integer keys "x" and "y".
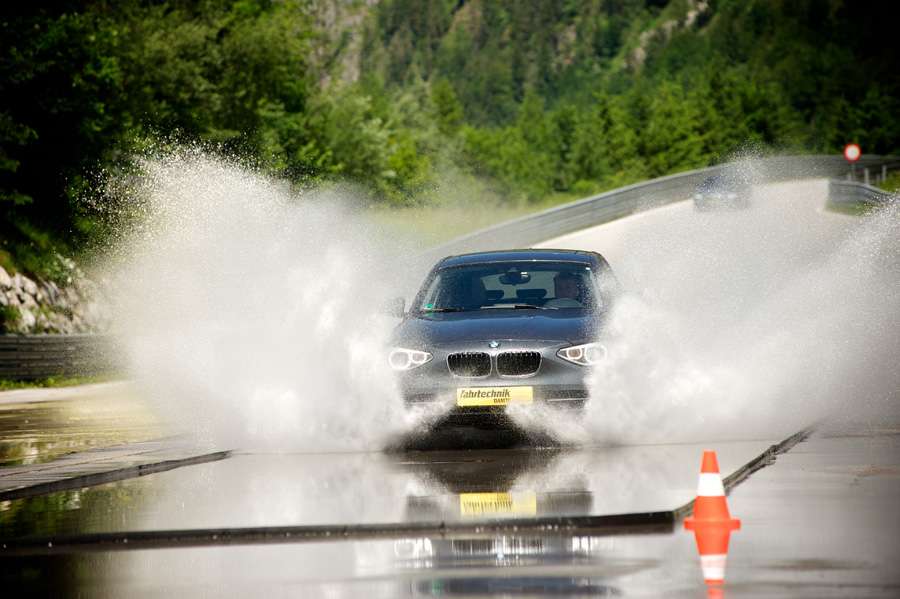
{"x": 852, "y": 152}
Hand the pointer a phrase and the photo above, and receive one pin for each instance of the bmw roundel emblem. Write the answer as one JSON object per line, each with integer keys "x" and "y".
{"x": 494, "y": 344}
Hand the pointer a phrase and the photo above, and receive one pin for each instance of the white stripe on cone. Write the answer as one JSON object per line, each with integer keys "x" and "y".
{"x": 713, "y": 566}
{"x": 710, "y": 485}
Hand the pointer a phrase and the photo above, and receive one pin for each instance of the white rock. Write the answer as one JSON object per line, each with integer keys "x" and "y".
{"x": 26, "y": 319}
{"x": 79, "y": 306}
{"x": 29, "y": 286}
{"x": 52, "y": 291}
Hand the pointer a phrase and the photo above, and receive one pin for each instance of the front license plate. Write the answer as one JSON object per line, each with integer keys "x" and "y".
{"x": 493, "y": 396}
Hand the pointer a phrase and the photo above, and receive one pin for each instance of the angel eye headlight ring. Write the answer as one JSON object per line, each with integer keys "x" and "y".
{"x": 401, "y": 358}
{"x": 586, "y": 354}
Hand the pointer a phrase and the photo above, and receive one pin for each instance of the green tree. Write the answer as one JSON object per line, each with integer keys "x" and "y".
{"x": 672, "y": 139}
{"x": 605, "y": 144}
{"x": 447, "y": 108}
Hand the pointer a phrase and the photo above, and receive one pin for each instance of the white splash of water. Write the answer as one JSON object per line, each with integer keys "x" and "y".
{"x": 747, "y": 324}
{"x": 252, "y": 315}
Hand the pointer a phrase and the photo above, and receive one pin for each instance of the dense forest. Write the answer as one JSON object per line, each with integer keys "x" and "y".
{"x": 529, "y": 98}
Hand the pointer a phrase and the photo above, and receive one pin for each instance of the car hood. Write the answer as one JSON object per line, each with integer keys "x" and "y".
{"x": 440, "y": 329}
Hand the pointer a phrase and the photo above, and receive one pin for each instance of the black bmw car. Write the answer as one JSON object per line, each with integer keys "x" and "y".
{"x": 491, "y": 329}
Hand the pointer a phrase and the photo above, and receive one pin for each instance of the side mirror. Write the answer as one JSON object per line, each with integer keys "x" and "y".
{"x": 395, "y": 306}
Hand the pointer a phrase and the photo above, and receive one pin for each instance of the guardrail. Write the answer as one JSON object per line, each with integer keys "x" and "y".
{"x": 617, "y": 203}
{"x": 41, "y": 356}
{"x": 31, "y": 357}
{"x": 853, "y": 193}
{"x": 872, "y": 173}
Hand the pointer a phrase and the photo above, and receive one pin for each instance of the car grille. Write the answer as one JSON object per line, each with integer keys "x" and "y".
{"x": 518, "y": 363}
{"x": 469, "y": 364}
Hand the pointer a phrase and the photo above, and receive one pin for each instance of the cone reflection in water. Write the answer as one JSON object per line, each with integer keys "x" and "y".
{"x": 712, "y": 543}
{"x": 712, "y": 523}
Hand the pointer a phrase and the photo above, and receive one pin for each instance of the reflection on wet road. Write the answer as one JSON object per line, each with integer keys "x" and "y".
{"x": 822, "y": 519}
{"x": 70, "y": 419}
{"x": 366, "y": 488}
{"x": 271, "y": 489}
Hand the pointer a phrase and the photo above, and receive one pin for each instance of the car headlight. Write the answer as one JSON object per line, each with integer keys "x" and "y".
{"x": 407, "y": 359}
{"x": 585, "y": 355}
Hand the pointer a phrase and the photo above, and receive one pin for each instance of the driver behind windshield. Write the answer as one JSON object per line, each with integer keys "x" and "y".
{"x": 568, "y": 291}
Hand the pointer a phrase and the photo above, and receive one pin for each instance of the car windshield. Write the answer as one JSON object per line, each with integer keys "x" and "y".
{"x": 510, "y": 285}
{"x": 724, "y": 181}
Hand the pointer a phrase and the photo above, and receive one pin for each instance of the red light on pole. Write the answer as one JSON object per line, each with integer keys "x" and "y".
{"x": 852, "y": 152}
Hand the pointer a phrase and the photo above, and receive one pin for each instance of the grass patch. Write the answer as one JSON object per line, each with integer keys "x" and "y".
{"x": 9, "y": 319}
{"x": 55, "y": 381}
{"x": 892, "y": 183}
{"x": 849, "y": 209}
{"x": 854, "y": 209}
{"x": 34, "y": 251}
{"x": 433, "y": 224}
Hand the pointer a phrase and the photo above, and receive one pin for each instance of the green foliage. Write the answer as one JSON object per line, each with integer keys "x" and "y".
{"x": 9, "y": 321}
{"x": 605, "y": 143}
{"x": 891, "y": 183}
{"x": 84, "y": 85}
{"x": 448, "y": 111}
{"x": 795, "y": 76}
{"x": 534, "y": 99}
{"x": 53, "y": 381}
{"x": 672, "y": 135}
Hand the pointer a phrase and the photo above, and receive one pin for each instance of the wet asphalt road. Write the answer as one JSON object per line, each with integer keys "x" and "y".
{"x": 822, "y": 521}
{"x": 264, "y": 489}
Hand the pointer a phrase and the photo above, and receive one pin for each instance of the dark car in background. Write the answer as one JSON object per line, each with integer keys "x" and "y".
{"x": 723, "y": 191}
{"x": 491, "y": 329}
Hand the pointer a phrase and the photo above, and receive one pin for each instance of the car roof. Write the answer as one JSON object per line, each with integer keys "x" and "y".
{"x": 522, "y": 255}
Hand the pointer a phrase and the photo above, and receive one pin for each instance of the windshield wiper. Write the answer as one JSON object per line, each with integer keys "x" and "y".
{"x": 515, "y": 307}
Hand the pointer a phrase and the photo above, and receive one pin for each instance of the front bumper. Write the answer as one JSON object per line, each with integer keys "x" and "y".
{"x": 557, "y": 382}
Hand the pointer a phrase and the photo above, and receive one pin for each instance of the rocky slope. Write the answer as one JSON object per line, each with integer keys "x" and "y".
{"x": 29, "y": 306}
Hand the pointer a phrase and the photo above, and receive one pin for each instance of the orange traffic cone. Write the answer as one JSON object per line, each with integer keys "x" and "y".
{"x": 710, "y": 505}
{"x": 711, "y": 522}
